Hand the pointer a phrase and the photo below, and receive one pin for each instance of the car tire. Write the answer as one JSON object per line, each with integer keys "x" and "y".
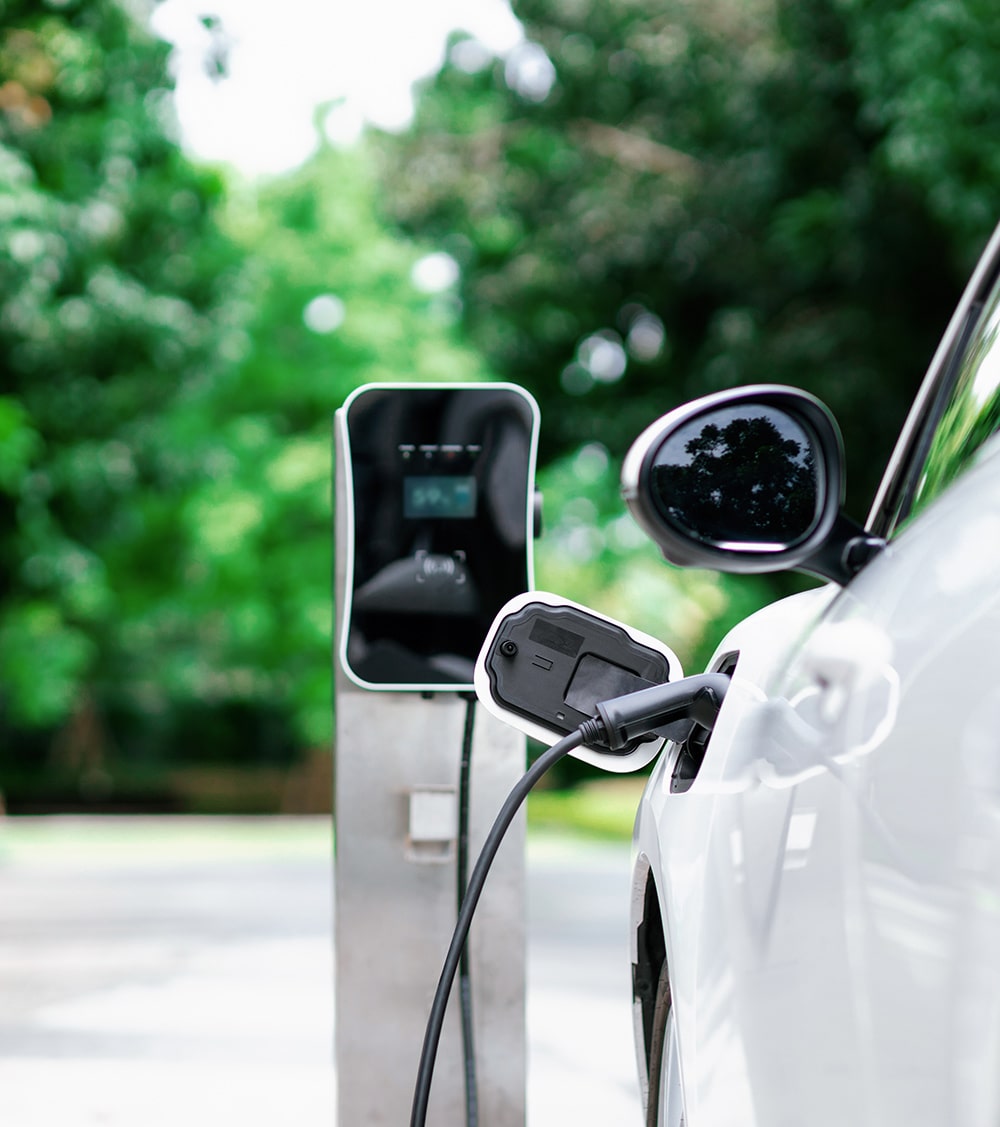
{"x": 665, "y": 1104}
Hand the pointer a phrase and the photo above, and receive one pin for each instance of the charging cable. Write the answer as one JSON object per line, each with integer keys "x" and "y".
{"x": 435, "y": 1022}
{"x": 618, "y": 722}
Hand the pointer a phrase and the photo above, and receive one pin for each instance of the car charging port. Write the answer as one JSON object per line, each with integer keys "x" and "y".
{"x": 691, "y": 749}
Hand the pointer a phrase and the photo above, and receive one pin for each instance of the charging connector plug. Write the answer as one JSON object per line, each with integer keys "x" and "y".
{"x": 636, "y": 716}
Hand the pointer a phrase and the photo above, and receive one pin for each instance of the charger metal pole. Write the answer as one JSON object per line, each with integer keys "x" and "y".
{"x": 396, "y": 773}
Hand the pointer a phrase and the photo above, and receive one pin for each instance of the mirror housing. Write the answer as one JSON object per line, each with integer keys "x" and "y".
{"x": 747, "y": 481}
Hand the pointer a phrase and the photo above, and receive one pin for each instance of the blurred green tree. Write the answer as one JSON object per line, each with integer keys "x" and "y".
{"x": 116, "y": 288}
{"x": 646, "y": 202}
{"x": 652, "y": 201}
{"x": 171, "y": 352}
{"x": 338, "y": 302}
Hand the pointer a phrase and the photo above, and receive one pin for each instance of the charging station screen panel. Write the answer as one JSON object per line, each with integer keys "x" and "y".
{"x": 441, "y": 488}
{"x": 434, "y": 495}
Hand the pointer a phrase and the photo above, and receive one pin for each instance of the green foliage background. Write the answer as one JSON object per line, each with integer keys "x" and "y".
{"x": 646, "y": 201}
{"x": 776, "y": 190}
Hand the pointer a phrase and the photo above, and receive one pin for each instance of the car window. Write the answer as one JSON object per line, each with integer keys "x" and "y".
{"x": 972, "y": 412}
{"x": 960, "y": 418}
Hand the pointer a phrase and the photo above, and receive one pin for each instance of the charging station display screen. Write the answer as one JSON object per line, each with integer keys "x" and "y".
{"x": 441, "y": 491}
{"x": 433, "y": 495}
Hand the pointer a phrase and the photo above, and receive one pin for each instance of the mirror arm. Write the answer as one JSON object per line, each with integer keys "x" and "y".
{"x": 862, "y": 549}
{"x": 845, "y": 551}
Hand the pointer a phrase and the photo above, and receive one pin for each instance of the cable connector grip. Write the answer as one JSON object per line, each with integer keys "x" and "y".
{"x": 636, "y": 716}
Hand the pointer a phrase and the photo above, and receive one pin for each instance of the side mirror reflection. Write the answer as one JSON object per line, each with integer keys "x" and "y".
{"x": 744, "y": 475}
{"x": 747, "y": 481}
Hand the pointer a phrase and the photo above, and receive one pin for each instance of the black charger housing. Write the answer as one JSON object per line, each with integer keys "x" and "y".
{"x": 547, "y": 662}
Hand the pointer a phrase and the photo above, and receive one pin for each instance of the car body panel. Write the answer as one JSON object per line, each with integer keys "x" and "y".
{"x": 675, "y": 834}
{"x": 829, "y": 885}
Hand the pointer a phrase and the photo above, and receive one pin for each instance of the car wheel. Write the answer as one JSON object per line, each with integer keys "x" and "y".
{"x": 665, "y": 1107}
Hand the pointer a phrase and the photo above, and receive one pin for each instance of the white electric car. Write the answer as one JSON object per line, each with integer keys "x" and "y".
{"x": 816, "y": 900}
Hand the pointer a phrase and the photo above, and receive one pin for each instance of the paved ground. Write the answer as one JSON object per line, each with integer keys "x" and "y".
{"x": 178, "y": 971}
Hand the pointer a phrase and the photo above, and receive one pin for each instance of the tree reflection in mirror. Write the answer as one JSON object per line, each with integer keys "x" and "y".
{"x": 742, "y": 475}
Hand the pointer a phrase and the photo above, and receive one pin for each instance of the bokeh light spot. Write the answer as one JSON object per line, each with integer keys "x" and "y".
{"x": 434, "y": 272}
{"x": 324, "y": 314}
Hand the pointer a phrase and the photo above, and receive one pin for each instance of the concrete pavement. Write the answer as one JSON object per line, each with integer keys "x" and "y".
{"x": 167, "y": 971}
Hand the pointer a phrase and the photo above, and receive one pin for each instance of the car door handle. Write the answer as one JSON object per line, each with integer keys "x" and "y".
{"x": 845, "y": 659}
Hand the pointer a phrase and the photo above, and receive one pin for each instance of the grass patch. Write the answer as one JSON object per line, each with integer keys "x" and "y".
{"x": 602, "y": 809}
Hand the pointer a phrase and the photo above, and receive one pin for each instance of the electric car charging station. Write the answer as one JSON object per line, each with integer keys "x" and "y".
{"x": 435, "y": 516}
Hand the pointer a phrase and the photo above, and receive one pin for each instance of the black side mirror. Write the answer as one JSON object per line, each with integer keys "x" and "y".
{"x": 749, "y": 480}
